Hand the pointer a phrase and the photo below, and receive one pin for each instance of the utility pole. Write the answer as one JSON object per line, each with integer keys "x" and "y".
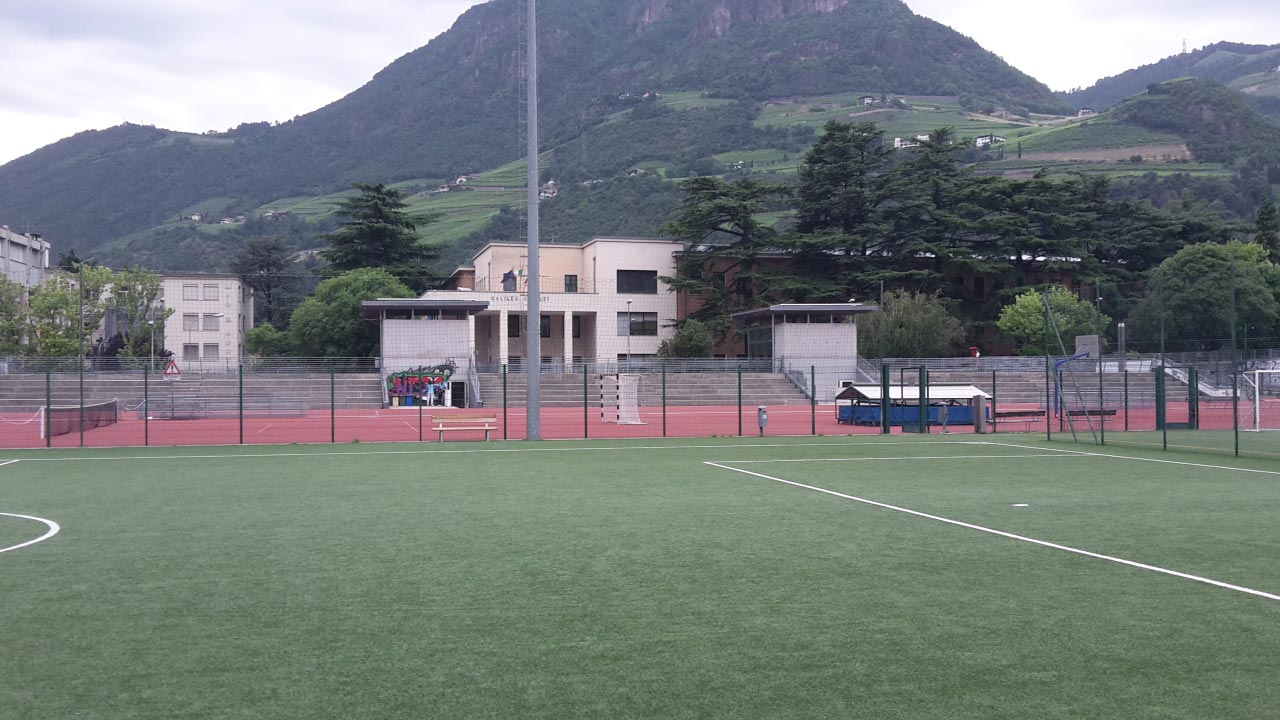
{"x": 533, "y": 402}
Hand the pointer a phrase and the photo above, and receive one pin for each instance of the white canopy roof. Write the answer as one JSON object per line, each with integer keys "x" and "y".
{"x": 910, "y": 392}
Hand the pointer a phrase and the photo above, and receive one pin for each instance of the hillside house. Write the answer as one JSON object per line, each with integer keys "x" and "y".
{"x": 867, "y": 100}
{"x": 985, "y": 140}
{"x": 1086, "y": 112}
{"x": 903, "y": 143}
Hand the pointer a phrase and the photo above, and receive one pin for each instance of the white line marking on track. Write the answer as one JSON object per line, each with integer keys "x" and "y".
{"x": 1011, "y": 536}
{"x": 618, "y": 448}
{"x": 1083, "y": 453}
{"x": 907, "y": 458}
{"x": 8, "y": 462}
{"x": 264, "y": 427}
{"x": 54, "y": 528}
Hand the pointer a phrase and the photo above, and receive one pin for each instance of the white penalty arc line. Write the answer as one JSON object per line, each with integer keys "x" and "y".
{"x": 54, "y": 528}
{"x": 1083, "y": 453}
{"x": 1009, "y": 535}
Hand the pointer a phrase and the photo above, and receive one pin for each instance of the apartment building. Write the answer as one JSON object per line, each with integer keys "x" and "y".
{"x": 211, "y": 314}
{"x": 24, "y": 258}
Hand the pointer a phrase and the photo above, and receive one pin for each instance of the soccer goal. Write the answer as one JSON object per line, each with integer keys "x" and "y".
{"x": 1262, "y": 388}
{"x": 620, "y": 399}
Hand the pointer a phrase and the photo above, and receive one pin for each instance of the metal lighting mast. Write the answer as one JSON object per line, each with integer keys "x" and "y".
{"x": 533, "y": 338}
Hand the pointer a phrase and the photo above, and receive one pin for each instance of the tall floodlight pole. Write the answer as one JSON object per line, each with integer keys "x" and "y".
{"x": 533, "y": 403}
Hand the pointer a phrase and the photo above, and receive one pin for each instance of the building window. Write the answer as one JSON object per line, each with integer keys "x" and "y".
{"x": 513, "y": 326}
{"x": 544, "y": 326}
{"x": 210, "y": 292}
{"x": 577, "y": 326}
{"x": 571, "y": 283}
{"x": 637, "y": 324}
{"x": 190, "y": 352}
{"x": 638, "y": 282}
{"x": 211, "y": 351}
{"x": 191, "y": 321}
{"x": 211, "y": 322}
{"x": 190, "y": 292}
{"x": 744, "y": 287}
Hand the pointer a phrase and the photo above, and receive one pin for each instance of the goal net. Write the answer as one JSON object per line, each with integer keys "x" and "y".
{"x": 620, "y": 399}
{"x": 1262, "y": 390}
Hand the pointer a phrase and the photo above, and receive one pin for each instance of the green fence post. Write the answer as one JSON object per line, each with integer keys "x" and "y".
{"x": 504, "y": 401}
{"x": 664, "y": 398}
{"x": 333, "y": 405}
{"x": 995, "y": 426}
{"x": 146, "y": 406}
{"x": 1161, "y": 408}
{"x": 240, "y": 406}
{"x": 886, "y": 381}
{"x": 739, "y": 400}
{"x": 80, "y": 362}
{"x": 813, "y": 398}
{"x": 586, "y": 405}
{"x": 924, "y": 400}
{"x": 419, "y": 421}
{"x": 48, "y": 408}
{"x": 1126, "y": 394}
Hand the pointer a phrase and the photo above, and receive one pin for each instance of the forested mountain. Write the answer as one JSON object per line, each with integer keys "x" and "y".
{"x": 452, "y": 107}
{"x": 1252, "y": 69}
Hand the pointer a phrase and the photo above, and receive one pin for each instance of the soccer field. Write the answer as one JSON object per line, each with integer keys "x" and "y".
{"x": 902, "y": 577}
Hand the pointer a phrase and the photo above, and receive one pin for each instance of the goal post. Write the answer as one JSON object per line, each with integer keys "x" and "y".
{"x": 1262, "y": 389}
{"x": 620, "y": 399}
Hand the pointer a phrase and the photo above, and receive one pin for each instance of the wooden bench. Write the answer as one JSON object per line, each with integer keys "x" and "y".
{"x": 1026, "y": 417}
{"x": 465, "y": 421}
{"x": 1092, "y": 412}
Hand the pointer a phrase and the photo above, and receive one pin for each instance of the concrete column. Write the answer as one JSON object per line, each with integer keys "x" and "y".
{"x": 502, "y": 336}
{"x": 471, "y": 337}
{"x": 568, "y": 339}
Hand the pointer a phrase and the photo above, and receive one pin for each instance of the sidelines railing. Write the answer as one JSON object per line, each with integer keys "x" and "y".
{"x": 1133, "y": 400}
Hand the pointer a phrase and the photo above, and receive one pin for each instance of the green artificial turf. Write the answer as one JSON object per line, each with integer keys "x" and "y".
{"x": 637, "y": 581}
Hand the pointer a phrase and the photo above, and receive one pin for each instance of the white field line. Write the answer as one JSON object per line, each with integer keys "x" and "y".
{"x": 406, "y": 424}
{"x": 1011, "y": 536}
{"x": 1141, "y": 459}
{"x": 53, "y": 530}
{"x": 264, "y": 427}
{"x": 8, "y": 462}
{"x": 619, "y": 448}
{"x": 908, "y": 458}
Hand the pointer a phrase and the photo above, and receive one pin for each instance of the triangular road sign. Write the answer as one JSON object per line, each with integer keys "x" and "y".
{"x": 173, "y": 372}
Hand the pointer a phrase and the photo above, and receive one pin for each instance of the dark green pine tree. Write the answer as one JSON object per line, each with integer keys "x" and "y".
{"x": 266, "y": 265}
{"x": 1268, "y": 229}
{"x": 377, "y": 232}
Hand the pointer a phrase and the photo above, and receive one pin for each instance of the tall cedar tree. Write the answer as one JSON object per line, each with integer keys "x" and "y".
{"x": 266, "y": 265}
{"x": 378, "y": 233}
{"x": 720, "y": 222}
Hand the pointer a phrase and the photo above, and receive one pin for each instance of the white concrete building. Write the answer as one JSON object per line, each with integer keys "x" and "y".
{"x": 602, "y": 302}
{"x": 24, "y": 259}
{"x": 211, "y": 313}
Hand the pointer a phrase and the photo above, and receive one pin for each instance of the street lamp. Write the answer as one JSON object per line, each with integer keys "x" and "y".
{"x": 151, "y": 331}
{"x": 629, "y": 331}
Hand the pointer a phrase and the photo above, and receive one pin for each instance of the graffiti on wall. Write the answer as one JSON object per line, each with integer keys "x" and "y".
{"x": 422, "y": 381}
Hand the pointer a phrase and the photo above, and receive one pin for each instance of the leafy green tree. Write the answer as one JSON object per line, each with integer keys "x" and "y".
{"x": 911, "y": 325}
{"x": 1190, "y": 297}
{"x": 267, "y": 341}
{"x": 54, "y": 312}
{"x": 12, "y": 318}
{"x": 1268, "y": 229}
{"x": 693, "y": 339}
{"x": 1023, "y": 321}
{"x": 328, "y": 324}
{"x": 266, "y": 265}
{"x": 135, "y": 295}
{"x": 377, "y": 232}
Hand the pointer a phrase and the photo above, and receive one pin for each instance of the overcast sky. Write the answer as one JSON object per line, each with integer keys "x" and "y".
{"x": 72, "y": 65}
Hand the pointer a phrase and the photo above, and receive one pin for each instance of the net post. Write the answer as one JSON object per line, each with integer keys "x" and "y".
{"x": 504, "y": 400}
{"x": 813, "y": 399}
{"x": 739, "y": 399}
{"x": 333, "y": 409}
{"x": 886, "y": 380}
{"x": 586, "y": 404}
{"x": 146, "y": 405}
{"x": 240, "y": 405}
{"x": 48, "y": 406}
{"x": 664, "y": 398}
